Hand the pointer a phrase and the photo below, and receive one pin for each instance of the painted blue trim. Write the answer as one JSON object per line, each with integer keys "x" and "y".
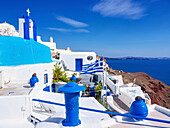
{"x": 11, "y": 92}
{"x": 48, "y": 102}
{"x": 46, "y": 78}
{"x": 34, "y": 31}
{"x": 26, "y": 29}
{"x": 47, "y": 89}
{"x": 105, "y": 112}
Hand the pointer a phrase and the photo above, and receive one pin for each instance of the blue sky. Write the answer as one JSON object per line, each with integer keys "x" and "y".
{"x": 112, "y": 28}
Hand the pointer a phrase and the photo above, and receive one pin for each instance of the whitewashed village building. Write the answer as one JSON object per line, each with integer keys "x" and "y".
{"x": 75, "y": 60}
{"x": 30, "y": 55}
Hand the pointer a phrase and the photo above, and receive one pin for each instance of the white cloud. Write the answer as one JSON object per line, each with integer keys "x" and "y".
{"x": 72, "y": 22}
{"x": 119, "y": 8}
{"x": 59, "y": 29}
{"x": 69, "y": 30}
{"x": 80, "y": 30}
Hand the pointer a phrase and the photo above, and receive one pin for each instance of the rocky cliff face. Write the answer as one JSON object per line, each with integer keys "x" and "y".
{"x": 157, "y": 90}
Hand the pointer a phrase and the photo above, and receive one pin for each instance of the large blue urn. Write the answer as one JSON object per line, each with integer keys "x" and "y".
{"x": 139, "y": 108}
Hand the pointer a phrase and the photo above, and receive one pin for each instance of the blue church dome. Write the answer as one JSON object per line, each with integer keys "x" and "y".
{"x": 18, "y": 51}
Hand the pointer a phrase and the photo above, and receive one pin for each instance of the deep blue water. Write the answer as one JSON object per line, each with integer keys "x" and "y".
{"x": 157, "y": 69}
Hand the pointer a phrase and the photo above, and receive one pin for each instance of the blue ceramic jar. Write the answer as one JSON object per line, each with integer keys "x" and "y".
{"x": 139, "y": 108}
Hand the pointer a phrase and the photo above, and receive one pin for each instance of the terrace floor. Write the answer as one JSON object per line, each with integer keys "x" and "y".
{"x": 119, "y": 104}
{"x": 16, "y": 89}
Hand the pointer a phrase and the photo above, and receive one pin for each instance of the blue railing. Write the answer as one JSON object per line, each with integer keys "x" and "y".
{"x": 105, "y": 112}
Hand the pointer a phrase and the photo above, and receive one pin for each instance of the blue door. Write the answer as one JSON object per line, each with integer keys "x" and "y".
{"x": 79, "y": 63}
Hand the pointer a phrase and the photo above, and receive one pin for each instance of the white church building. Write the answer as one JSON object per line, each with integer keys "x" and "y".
{"x": 30, "y": 54}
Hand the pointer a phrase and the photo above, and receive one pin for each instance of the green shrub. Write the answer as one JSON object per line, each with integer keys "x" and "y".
{"x": 59, "y": 75}
{"x": 98, "y": 87}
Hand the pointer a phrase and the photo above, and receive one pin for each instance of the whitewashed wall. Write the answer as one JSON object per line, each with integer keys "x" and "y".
{"x": 127, "y": 96}
{"x": 21, "y": 27}
{"x": 22, "y": 74}
{"x": 70, "y": 57}
{"x": 37, "y": 89}
{"x": 51, "y": 45}
{"x": 114, "y": 87}
{"x": 126, "y": 99}
{"x": 111, "y": 85}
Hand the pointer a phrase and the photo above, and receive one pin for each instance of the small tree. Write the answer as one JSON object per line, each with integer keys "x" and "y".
{"x": 98, "y": 89}
{"x": 59, "y": 75}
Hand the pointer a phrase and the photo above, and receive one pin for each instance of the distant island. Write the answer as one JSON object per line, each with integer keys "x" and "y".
{"x": 138, "y": 58}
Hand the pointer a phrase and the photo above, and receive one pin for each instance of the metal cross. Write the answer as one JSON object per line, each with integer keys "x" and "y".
{"x": 28, "y": 11}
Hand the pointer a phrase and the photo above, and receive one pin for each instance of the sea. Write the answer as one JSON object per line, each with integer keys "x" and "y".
{"x": 156, "y": 68}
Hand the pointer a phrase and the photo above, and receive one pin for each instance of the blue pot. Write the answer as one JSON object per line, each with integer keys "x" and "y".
{"x": 139, "y": 108}
{"x": 33, "y": 80}
{"x": 73, "y": 78}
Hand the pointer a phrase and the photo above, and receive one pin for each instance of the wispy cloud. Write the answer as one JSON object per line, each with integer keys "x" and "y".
{"x": 72, "y": 22}
{"x": 81, "y": 30}
{"x": 120, "y": 8}
{"x": 69, "y": 30}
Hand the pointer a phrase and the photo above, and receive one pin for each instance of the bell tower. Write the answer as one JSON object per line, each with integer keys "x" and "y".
{"x": 27, "y": 27}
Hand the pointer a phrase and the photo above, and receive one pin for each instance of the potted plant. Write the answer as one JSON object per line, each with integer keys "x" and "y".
{"x": 59, "y": 75}
{"x": 60, "y": 78}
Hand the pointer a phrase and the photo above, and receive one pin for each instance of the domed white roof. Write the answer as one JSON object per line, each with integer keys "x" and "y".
{"x": 7, "y": 30}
